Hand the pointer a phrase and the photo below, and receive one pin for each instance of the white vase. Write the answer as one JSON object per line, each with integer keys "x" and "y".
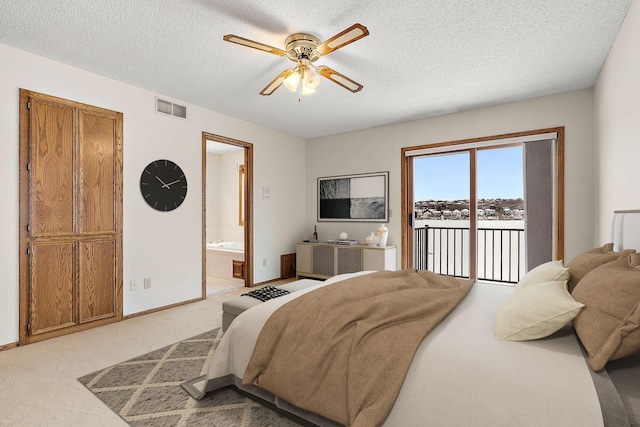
{"x": 371, "y": 240}
{"x": 383, "y": 235}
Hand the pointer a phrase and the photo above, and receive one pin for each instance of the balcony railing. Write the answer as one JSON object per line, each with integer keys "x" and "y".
{"x": 445, "y": 250}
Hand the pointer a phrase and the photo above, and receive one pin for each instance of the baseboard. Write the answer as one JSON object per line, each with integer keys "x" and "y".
{"x": 8, "y": 346}
{"x": 130, "y": 316}
{"x": 165, "y": 307}
{"x": 266, "y": 282}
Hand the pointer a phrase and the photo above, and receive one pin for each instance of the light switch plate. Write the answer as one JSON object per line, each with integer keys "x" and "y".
{"x": 266, "y": 192}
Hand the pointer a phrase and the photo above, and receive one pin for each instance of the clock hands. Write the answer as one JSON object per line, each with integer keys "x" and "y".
{"x": 166, "y": 185}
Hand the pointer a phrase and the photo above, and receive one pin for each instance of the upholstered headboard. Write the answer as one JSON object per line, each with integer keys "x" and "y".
{"x": 626, "y": 230}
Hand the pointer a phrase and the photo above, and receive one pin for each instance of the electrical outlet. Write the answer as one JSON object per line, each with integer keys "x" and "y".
{"x": 134, "y": 285}
{"x": 264, "y": 262}
{"x": 147, "y": 282}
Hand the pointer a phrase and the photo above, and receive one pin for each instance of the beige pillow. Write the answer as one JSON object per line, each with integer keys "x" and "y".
{"x": 551, "y": 271}
{"x": 535, "y": 312}
{"x": 609, "y": 325}
{"x": 587, "y": 261}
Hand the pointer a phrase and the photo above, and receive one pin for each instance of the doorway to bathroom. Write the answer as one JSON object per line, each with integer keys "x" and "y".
{"x": 227, "y": 219}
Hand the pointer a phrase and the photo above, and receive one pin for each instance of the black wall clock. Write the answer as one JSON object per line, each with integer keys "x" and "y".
{"x": 163, "y": 185}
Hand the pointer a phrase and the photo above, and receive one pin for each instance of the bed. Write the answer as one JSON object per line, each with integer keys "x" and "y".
{"x": 461, "y": 374}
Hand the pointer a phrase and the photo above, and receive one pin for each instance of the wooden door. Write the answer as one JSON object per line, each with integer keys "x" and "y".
{"x": 70, "y": 215}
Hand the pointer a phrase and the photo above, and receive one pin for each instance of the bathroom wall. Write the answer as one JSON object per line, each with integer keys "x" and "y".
{"x": 223, "y": 197}
{"x": 230, "y": 230}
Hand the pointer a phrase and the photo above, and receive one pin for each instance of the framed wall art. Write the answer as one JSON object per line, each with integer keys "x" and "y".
{"x": 354, "y": 198}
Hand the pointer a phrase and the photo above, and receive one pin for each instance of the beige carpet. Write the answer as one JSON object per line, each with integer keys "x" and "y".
{"x": 47, "y": 372}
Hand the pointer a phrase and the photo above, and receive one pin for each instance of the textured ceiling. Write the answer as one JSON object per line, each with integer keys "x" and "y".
{"x": 422, "y": 58}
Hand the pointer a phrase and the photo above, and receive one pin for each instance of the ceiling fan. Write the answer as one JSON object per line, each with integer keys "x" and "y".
{"x": 304, "y": 49}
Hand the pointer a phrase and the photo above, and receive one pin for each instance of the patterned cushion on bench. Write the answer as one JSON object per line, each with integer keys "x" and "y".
{"x": 267, "y": 293}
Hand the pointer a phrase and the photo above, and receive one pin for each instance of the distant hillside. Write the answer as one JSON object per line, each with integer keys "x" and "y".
{"x": 487, "y": 208}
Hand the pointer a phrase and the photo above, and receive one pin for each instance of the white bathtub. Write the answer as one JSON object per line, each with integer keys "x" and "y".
{"x": 220, "y": 257}
{"x": 226, "y": 246}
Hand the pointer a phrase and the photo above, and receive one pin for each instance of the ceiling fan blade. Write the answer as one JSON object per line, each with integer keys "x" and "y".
{"x": 276, "y": 83}
{"x": 340, "y": 79}
{"x": 253, "y": 44}
{"x": 351, "y": 34}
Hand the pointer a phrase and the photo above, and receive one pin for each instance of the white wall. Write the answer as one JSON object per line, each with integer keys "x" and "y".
{"x": 378, "y": 149}
{"x": 617, "y": 113}
{"x": 163, "y": 246}
{"x": 223, "y": 197}
{"x": 214, "y": 188}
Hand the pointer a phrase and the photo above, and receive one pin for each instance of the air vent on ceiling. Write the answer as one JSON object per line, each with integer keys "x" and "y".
{"x": 171, "y": 108}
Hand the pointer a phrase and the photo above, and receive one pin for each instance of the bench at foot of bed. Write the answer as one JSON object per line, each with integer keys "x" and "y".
{"x": 233, "y": 307}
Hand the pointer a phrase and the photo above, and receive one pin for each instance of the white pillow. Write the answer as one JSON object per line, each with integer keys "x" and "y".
{"x": 535, "y": 311}
{"x": 548, "y": 272}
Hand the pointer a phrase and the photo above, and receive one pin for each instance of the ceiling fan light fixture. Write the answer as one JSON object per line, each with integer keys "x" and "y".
{"x": 311, "y": 81}
{"x": 306, "y": 90}
{"x": 292, "y": 81}
{"x": 302, "y": 79}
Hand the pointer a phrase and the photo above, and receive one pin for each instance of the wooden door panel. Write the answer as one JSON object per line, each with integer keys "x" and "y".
{"x": 97, "y": 280}
{"x": 52, "y": 287}
{"x": 70, "y": 216}
{"x": 52, "y": 169}
{"x": 97, "y": 164}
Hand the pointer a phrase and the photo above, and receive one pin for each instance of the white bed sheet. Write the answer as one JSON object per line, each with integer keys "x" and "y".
{"x": 461, "y": 374}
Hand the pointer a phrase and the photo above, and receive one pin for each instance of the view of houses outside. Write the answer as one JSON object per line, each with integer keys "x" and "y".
{"x": 488, "y": 209}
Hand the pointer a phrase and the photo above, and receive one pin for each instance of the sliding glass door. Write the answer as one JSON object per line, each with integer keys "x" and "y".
{"x": 501, "y": 238}
{"x": 485, "y": 209}
{"x": 441, "y": 213}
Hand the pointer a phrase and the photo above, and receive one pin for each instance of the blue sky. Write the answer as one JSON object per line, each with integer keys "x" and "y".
{"x": 446, "y": 177}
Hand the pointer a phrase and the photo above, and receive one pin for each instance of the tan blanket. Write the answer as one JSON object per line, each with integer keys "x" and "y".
{"x": 343, "y": 350}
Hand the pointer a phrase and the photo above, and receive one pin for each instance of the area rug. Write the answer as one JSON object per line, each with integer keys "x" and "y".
{"x": 146, "y": 391}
